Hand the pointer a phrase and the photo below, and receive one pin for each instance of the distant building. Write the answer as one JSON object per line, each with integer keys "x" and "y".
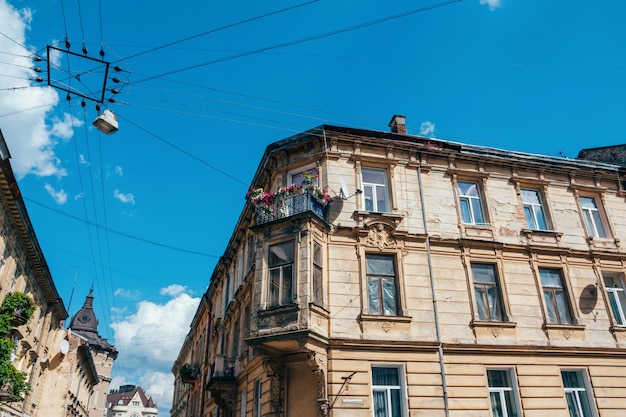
{"x": 443, "y": 280}
{"x": 130, "y": 401}
{"x": 85, "y": 324}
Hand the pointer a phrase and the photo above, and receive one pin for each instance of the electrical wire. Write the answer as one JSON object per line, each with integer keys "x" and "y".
{"x": 303, "y": 40}
{"x": 232, "y": 25}
{"x": 127, "y": 235}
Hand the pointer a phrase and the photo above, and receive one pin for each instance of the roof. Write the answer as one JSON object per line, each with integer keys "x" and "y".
{"x": 114, "y": 398}
{"x": 85, "y": 324}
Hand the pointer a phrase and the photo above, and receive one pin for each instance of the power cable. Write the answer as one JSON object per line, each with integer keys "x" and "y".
{"x": 178, "y": 148}
{"x": 127, "y": 235}
{"x": 303, "y": 40}
{"x": 252, "y": 19}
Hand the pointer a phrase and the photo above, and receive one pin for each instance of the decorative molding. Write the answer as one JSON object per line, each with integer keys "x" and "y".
{"x": 379, "y": 236}
{"x": 318, "y": 364}
{"x": 276, "y": 373}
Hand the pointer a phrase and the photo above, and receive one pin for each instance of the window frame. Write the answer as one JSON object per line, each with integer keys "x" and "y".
{"x": 620, "y": 302}
{"x": 396, "y": 281}
{"x": 499, "y": 286}
{"x": 317, "y": 274}
{"x": 375, "y": 200}
{"x": 300, "y": 171}
{"x": 401, "y": 388}
{"x": 586, "y": 388}
{"x": 554, "y": 300}
{"x": 543, "y": 209}
{"x": 512, "y": 388}
{"x": 589, "y": 222}
{"x": 258, "y": 398}
{"x": 281, "y": 300}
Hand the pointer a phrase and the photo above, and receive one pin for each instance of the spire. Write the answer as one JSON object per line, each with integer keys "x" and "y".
{"x": 85, "y": 323}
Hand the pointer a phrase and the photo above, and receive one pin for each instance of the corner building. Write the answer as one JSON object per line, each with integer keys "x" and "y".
{"x": 443, "y": 279}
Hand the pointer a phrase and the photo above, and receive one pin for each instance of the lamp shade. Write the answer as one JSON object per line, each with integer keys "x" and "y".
{"x": 106, "y": 122}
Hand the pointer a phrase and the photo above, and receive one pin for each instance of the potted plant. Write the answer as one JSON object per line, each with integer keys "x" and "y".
{"x": 187, "y": 373}
{"x": 13, "y": 383}
{"x": 20, "y": 306}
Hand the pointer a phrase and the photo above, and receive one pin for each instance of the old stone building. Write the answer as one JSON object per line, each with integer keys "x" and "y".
{"x": 130, "y": 401}
{"x": 64, "y": 367}
{"x": 443, "y": 279}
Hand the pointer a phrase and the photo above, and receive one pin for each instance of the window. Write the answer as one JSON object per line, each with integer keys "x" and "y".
{"x": 135, "y": 404}
{"x": 470, "y": 202}
{"x": 487, "y": 292}
{"x": 593, "y": 219}
{"x": 3, "y": 258}
{"x": 577, "y": 393}
{"x": 258, "y": 396}
{"x": 614, "y": 285}
{"x": 555, "y": 296}
{"x": 502, "y": 393}
{"x": 381, "y": 285}
{"x": 533, "y": 208}
{"x": 243, "y": 403}
{"x": 226, "y": 293}
{"x": 297, "y": 177}
{"x": 317, "y": 289}
{"x": 387, "y": 392}
{"x": 236, "y": 339}
{"x": 251, "y": 251}
{"x": 281, "y": 273}
{"x": 375, "y": 194}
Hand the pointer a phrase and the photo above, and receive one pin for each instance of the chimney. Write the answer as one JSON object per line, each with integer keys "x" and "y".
{"x": 398, "y": 124}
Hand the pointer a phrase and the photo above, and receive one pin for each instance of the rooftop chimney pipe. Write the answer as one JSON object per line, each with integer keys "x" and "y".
{"x": 398, "y": 124}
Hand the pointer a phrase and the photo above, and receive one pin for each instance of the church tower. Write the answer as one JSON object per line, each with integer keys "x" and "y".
{"x": 85, "y": 324}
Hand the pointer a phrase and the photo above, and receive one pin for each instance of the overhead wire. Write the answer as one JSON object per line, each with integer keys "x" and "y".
{"x": 303, "y": 40}
{"x": 231, "y": 25}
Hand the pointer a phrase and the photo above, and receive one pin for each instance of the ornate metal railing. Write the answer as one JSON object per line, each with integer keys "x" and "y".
{"x": 223, "y": 367}
{"x": 285, "y": 207}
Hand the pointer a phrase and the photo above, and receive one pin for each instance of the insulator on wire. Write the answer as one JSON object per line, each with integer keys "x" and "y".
{"x": 117, "y": 68}
{"x": 101, "y": 52}
{"x": 98, "y": 108}
{"x": 111, "y": 100}
{"x": 37, "y": 58}
{"x": 83, "y": 104}
{"x": 115, "y": 80}
{"x": 85, "y": 51}
{"x": 38, "y": 79}
{"x": 67, "y": 44}
{"x": 115, "y": 90}
{"x": 68, "y": 97}
{"x": 36, "y": 69}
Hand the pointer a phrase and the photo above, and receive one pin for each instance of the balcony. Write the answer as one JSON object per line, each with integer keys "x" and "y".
{"x": 282, "y": 208}
{"x": 189, "y": 373}
{"x": 223, "y": 381}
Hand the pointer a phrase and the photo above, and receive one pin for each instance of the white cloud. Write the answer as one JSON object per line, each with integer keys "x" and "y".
{"x": 118, "y": 170}
{"x": 493, "y": 4}
{"x": 24, "y": 104}
{"x": 149, "y": 342}
{"x": 427, "y": 129}
{"x": 173, "y": 290}
{"x": 126, "y": 293}
{"x": 60, "y": 197}
{"x": 124, "y": 198}
{"x": 82, "y": 160}
{"x": 79, "y": 196}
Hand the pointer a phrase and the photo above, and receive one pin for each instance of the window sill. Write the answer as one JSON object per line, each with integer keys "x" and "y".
{"x": 542, "y": 236}
{"x": 375, "y": 318}
{"x": 618, "y": 329}
{"x": 567, "y": 331}
{"x": 603, "y": 242}
{"x": 477, "y": 230}
{"x": 287, "y": 308}
{"x": 361, "y": 215}
{"x": 503, "y": 324}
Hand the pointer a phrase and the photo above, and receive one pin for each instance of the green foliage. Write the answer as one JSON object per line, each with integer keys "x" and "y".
{"x": 18, "y": 303}
{"x": 12, "y": 381}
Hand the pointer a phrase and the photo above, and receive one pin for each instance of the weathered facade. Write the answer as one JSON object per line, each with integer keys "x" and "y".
{"x": 442, "y": 280}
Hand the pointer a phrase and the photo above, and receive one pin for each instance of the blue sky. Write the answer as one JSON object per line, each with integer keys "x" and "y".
{"x": 143, "y": 215}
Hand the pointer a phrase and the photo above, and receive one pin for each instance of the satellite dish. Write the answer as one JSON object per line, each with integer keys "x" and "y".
{"x": 345, "y": 194}
{"x": 344, "y": 188}
{"x": 64, "y": 346}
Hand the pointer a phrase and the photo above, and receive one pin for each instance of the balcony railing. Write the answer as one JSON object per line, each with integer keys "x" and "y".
{"x": 189, "y": 373}
{"x": 289, "y": 206}
{"x": 223, "y": 367}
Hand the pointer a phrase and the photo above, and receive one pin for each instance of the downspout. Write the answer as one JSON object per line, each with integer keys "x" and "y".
{"x": 444, "y": 384}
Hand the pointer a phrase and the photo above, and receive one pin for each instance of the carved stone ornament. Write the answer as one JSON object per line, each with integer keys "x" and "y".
{"x": 275, "y": 372}
{"x": 496, "y": 331}
{"x": 318, "y": 363}
{"x": 567, "y": 333}
{"x": 379, "y": 237}
{"x": 386, "y": 326}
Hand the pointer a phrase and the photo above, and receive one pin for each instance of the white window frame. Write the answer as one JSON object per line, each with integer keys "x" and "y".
{"x": 587, "y": 391}
{"x": 501, "y": 391}
{"x": 470, "y": 199}
{"x": 388, "y": 388}
{"x": 614, "y": 300}
{"x": 374, "y": 190}
{"x": 534, "y": 208}
{"x": 294, "y": 174}
{"x": 591, "y": 221}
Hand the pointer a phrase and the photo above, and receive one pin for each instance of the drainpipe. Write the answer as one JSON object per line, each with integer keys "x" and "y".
{"x": 444, "y": 384}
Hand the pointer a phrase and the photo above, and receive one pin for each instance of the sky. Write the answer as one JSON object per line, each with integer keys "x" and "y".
{"x": 201, "y": 88}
